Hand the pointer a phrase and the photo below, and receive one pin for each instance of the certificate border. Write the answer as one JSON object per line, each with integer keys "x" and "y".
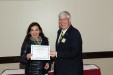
{"x": 48, "y": 58}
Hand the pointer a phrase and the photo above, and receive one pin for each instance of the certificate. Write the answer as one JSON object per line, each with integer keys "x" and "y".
{"x": 40, "y": 52}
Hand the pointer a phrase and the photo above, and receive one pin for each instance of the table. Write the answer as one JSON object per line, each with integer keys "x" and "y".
{"x": 89, "y": 69}
{"x": 13, "y": 72}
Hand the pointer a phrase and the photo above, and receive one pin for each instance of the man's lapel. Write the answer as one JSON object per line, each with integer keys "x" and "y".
{"x": 58, "y": 36}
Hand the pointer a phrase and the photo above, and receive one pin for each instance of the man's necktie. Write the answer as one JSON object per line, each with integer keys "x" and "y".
{"x": 61, "y": 36}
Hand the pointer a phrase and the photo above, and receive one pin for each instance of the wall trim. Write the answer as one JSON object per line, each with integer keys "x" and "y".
{"x": 86, "y": 55}
{"x": 93, "y": 55}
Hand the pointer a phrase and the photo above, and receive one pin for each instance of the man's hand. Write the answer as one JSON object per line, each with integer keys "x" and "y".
{"x": 53, "y": 53}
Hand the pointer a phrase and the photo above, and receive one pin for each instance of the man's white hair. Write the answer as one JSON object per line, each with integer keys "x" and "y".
{"x": 66, "y": 13}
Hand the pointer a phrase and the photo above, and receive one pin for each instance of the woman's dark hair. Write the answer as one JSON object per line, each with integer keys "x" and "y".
{"x": 29, "y": 29}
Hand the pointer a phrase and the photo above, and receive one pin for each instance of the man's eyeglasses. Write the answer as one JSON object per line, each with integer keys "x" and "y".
{"x": 65, "y": 19}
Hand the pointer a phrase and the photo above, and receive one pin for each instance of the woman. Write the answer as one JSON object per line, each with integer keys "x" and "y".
{"x": 34, "y": 36}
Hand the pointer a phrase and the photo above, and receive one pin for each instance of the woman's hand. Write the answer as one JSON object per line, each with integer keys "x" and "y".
{"x": 28, "y": 56}
{"x": 46, "y": 66}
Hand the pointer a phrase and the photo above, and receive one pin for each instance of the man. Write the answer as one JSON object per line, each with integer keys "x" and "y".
{"x": 68, "y": 48}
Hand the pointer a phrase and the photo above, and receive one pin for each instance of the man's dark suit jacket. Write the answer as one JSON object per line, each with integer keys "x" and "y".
{"x": 69, "y": 53}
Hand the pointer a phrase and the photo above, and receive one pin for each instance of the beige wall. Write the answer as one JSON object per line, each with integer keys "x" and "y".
{"x": 93, "y": 18}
